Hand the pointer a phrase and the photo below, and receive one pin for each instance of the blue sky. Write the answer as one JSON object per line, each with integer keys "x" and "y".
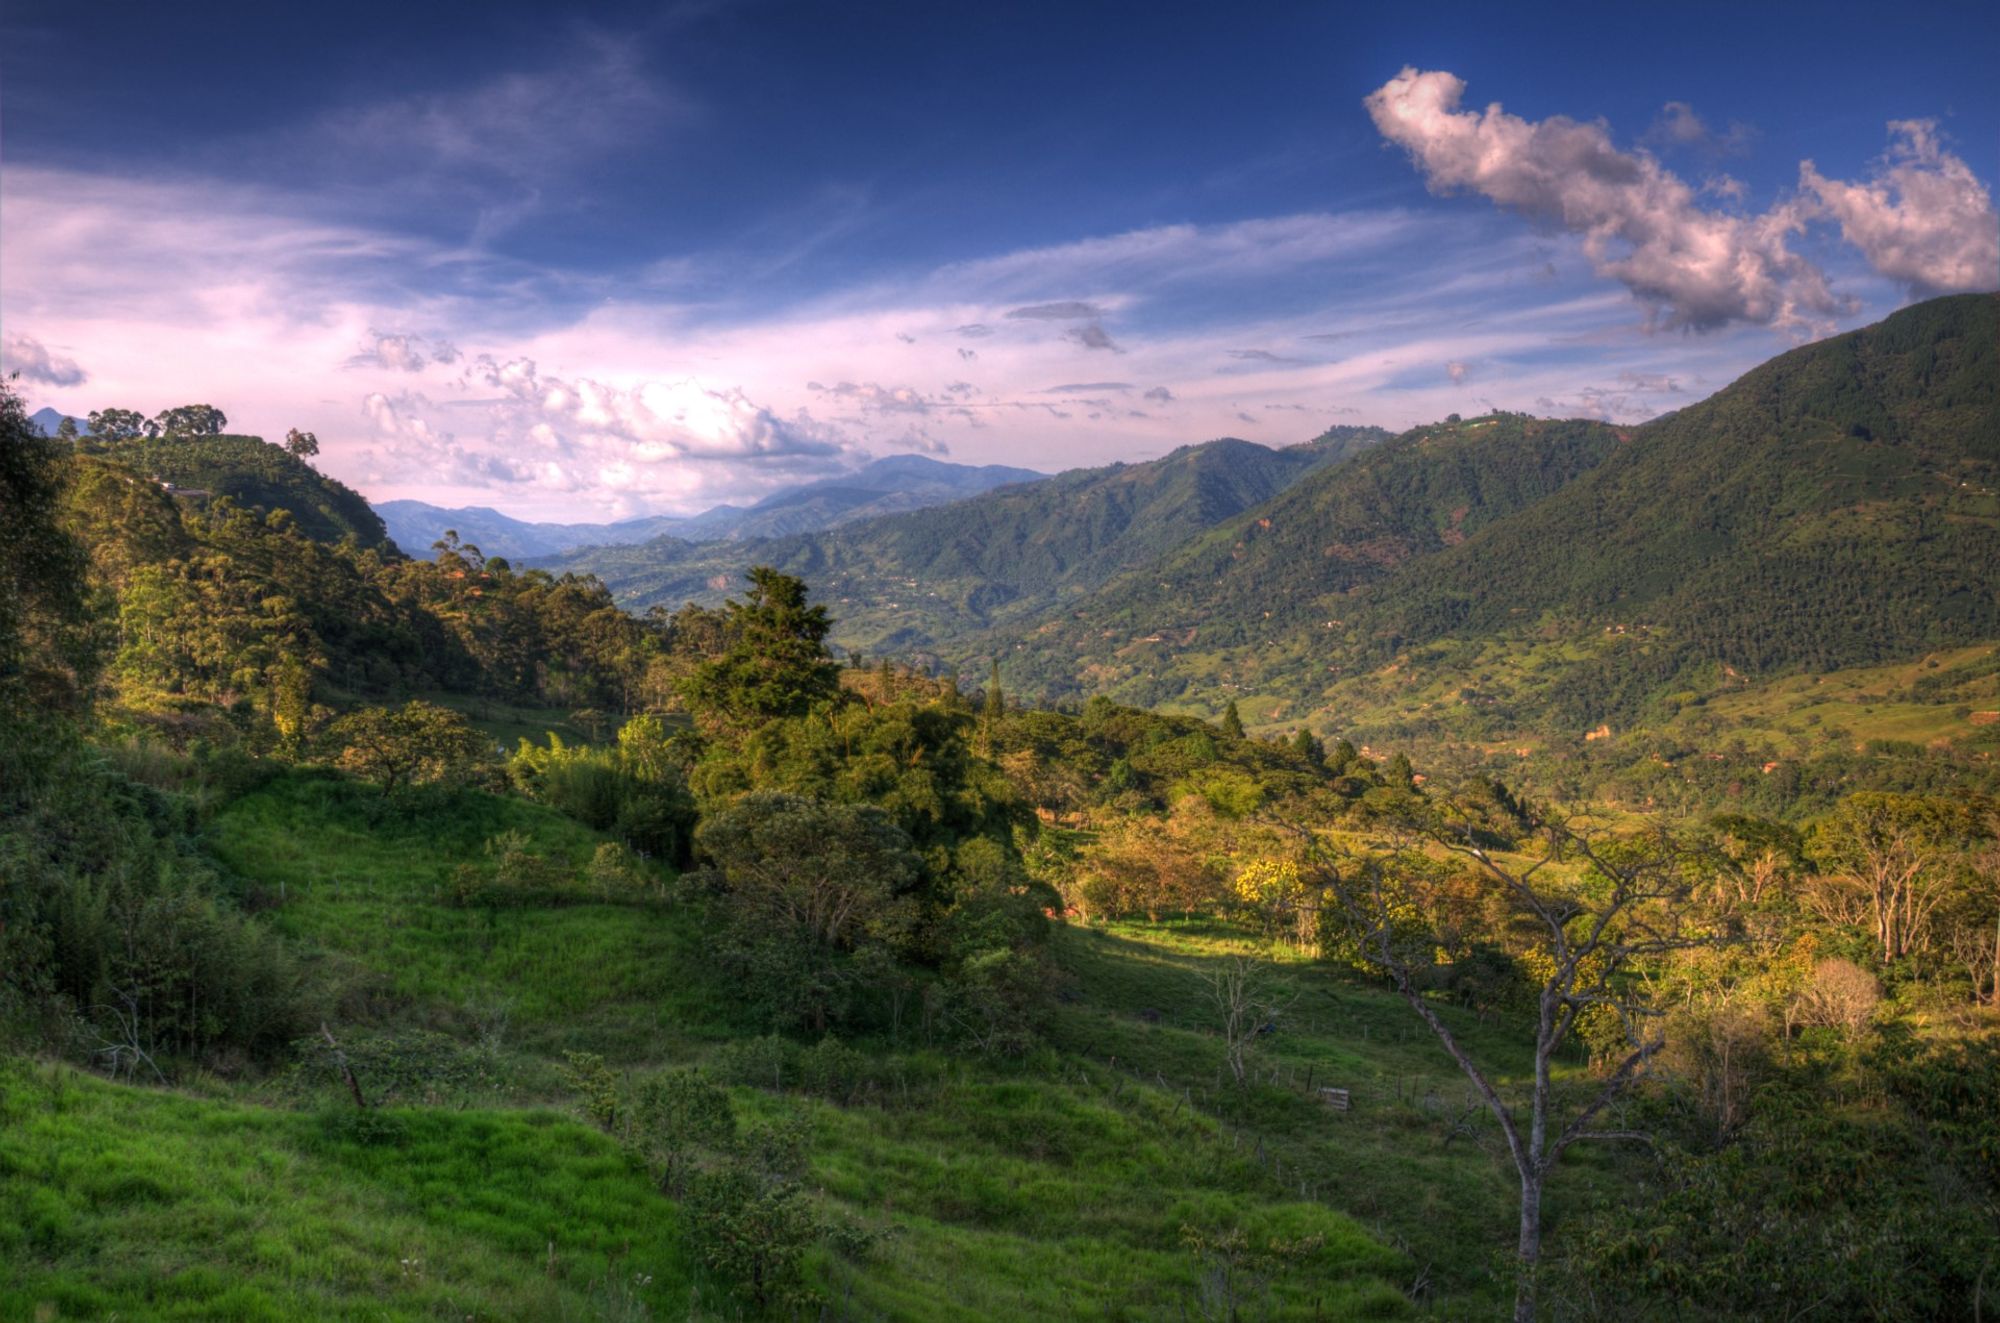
{"x": 641, "y": 258}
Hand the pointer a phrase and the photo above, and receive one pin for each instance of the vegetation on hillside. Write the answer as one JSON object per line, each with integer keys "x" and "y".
{"x": 779, "y": 987}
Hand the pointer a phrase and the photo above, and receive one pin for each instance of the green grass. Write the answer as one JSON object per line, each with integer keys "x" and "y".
{"x": 127, "y": 1203}
{"x": 1060, "y": 1185}
{"x": 351, "y": 876}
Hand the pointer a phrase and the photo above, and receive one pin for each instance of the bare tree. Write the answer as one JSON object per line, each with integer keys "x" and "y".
{"x": 1241, "y": 991}
{"x": 1842, "y": 995}
{"x": 1599, "y": 909}
{"x": 1889, "y": 857}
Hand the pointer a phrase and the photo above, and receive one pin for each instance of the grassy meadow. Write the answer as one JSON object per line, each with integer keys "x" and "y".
{"x": 1116, "y": 1172}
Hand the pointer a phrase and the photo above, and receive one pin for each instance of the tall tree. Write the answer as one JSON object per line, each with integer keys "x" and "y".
{"x": 43, "y": 643}
{"x": 302, "y": 445}
{"x": 1232, "y": 721}
{"x": 1593, "y": 932}
{"x": 776, "y": 664}
{"x": 1888, "y": 858}
{"x": 116, "y": 424}
{"x": 191, "y": 420}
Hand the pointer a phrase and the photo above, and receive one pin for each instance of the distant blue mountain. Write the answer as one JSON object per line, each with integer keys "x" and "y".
{"x": 886, "y": 486}
{"x": 48, "y": 420}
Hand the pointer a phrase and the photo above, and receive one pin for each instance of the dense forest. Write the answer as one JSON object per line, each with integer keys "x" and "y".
{"x": 420, "y": 938}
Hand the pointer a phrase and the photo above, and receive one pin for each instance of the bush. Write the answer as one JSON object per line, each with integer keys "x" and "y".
{"x": 672, "y": 1117}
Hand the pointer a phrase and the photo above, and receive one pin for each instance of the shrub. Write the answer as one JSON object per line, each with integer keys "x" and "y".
{"x": 672, "y": 1117}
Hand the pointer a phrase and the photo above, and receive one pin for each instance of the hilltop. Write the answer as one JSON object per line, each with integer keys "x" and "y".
{"x": 256, "y": 475}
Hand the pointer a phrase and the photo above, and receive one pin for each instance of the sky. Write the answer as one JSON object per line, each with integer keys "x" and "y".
{"x": 612, "y": 260}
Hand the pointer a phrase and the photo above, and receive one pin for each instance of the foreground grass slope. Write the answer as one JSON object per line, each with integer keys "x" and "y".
{"x": 1096, "y": 1178}
{"x": 132, "y": 1203}
{"x": 1067, "y": 1184}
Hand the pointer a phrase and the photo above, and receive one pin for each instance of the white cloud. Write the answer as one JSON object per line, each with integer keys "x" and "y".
{"x": 404, "y": 353}
{"x": 1457, "y": 371}
{"x": 1923, "y": 218}
{"x": 35, "y": 362}
{"x": 1639, "y": 222}
{"x": 582, "y": 397}
{"x": 1678, "y": 127}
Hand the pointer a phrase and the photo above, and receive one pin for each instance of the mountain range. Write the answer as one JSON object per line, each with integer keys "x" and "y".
{"x": 885, "y": 486}
{"x": 919, "y": 582}
{"x": 1835, "y": 507}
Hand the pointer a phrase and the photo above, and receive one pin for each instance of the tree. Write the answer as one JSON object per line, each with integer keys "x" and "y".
{"x": 805, "y": 882}
{"x": 190, "y": 420}
{"x": 776, "y": 663}
{"x": 116, "y": 424}
{"x": 1232, "y": 721}
{"x": 1307, "y": 745}
{"x": 417, "y": 744}
{"x": 1888, "y": 858}
{"x": 66, "y": 430}
{"x": 301, "y": 445}
{"x": 1592, "y": 932}
{"x": 996, "y": 701}
{"x": 44, "y": 639}
{"x": 832, "y": 872}
{"x": 1243, "y": 996}
{"x": 1842, "y": 995}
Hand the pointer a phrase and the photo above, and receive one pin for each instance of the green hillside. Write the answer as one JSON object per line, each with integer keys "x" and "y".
{"x": 921, "y": 581}
{"x": 1839, "y": 506}
{"x": 256, "y": 474}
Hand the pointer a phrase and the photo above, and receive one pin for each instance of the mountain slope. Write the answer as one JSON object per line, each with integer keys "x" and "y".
{"x": 916, "y": 580}
{"x": 1835, "y": 507}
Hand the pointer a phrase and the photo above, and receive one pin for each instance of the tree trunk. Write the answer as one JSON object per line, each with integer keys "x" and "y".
{"x": 1529, "y": 1250}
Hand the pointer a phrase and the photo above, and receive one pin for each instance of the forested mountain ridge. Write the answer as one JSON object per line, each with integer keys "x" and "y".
{"x": 1288, "y": 563}
{"x": 1835, "y": 507}
{"x": 912, "y": 581}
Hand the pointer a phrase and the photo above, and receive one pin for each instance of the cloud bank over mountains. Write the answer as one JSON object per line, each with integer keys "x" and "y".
{"x": 463, "y": 369}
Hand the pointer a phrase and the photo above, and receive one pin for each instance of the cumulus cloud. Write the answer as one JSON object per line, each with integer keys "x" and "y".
{"x": 1640, "y": 224}
{"x": 659, "y": 440}
{"x": 35, "y": 362}
{"x": 1093, "y": 336}
{"x": 403, "y": 353}
{"x": 1677, "y": 126}
{"x": 1923, "y": 218}
{"x": 1457, "y": 371}
{"x": 1160, "y": 395}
